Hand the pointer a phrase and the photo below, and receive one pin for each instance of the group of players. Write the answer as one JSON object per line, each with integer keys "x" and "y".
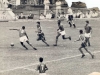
{"x": 83, "y": 37}
{"x": 60, "y": 31}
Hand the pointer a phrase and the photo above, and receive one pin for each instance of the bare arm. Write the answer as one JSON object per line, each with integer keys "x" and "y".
{"x": 78, "y": 39}
{"x": 15, "y": 29}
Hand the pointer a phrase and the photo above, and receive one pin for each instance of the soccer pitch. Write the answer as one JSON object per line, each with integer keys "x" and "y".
{"x": 64, "y": 59}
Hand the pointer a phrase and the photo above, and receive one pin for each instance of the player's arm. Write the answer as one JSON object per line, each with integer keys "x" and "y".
{"x": 46, "y": 68}
{"x": 15, "y": 29}
{"x": 77, "y": 39}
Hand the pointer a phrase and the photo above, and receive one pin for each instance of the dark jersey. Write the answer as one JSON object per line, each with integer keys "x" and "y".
{"x": 61, "y": 28}
{"x": 41, "y": 36}
{"x": 42, "y": 68}
{"x": 70, "y": 17}
{"x": 88, "y": 29}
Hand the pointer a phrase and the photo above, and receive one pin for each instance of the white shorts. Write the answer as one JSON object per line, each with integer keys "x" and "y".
{"x": 42, "y": 74}
{"x": 87, "y": 34}
{"x": 23, "y": 39}
{"x": 62, "y": 32}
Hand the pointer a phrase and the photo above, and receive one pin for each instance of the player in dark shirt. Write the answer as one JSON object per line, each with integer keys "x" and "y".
{"x": 61, "y": 31}
{"x": 83, "y": 44}
{"x": 23, "y": 37}
{"x": 88, "y": 31}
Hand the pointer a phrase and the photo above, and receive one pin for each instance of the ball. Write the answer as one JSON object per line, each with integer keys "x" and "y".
{"x": 12, "y": 44}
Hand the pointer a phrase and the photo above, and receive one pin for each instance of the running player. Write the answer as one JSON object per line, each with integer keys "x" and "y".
{"x": 40, "y": 34}
{"x": 42, "y": 68}
{"x": 88, "y": 31}
{"x": 24, "y": 37}
{"x": 83, "y": 44}
{"x": 70, "y": 18}
{"x": 61, "y": 31}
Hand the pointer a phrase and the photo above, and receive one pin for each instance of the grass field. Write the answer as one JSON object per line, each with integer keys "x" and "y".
{"x": 65, "y": 59}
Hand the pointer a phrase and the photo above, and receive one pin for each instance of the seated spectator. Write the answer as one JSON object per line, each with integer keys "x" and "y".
{"x": 42, "y": 17}
{"x": 31, "y": 16}
{"x": 62, "y": 16}
{"x": 53, "y": 14}
{"x": 48, "y": 16}
{"x": 22, "y": 16}
{"x": 88, "y": 15}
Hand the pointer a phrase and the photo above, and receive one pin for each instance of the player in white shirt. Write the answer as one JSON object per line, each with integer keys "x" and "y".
{"x": 83, "y": 44}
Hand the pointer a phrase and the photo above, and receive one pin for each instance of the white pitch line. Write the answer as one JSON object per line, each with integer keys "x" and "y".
{"x": 45, "y": 62}
{"x": 29, "y": 69}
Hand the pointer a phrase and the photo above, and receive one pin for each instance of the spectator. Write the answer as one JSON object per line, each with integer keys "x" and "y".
{"x": 48, "y": 16}
{"x": 58, "y": 7}
{"x": 46, "y": 6}
{"x": 42, "y": 17}
{"x": 31, "y": 16}
{"x": 21, "y": 16}
{"x": 52, "y": 14}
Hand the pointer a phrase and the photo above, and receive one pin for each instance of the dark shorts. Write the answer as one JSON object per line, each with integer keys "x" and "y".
{"x": 40, "y": 37}
{"x": 83, "y": 45}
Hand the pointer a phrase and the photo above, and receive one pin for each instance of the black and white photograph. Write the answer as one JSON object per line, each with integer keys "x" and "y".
{"x": 49, "y": 37}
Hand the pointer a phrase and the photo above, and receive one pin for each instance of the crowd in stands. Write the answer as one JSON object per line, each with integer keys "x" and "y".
{"x": 52, "y": 15}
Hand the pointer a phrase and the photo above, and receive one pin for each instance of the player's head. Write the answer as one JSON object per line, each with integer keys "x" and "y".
{"x": 23, "y": 27}
{"x": 40, "y": 59}
{"x": 38, "y": 22}
{"x": 81, "y": 31}
{"x": 87, "y": 21}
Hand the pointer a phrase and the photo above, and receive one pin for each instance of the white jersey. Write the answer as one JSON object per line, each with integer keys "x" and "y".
{"x": 82, "y": 37}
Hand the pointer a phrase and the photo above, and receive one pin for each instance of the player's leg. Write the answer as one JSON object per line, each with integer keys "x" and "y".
{"x": 43, "y": 40}
{"x": 57, "y": 39}
{"x": 38, "y": 37}
{"x": 69, "y": 20}
{"x": 89, "y": 52}
{"x": 70, "y": 23}
{"x": 88, "y": 41}
{"x": 73, "y": 24}
{"x": 23, "y": 45}
{"x": 80, "y": 49}
{"x": 31, "y": 45}
{"x": 63, "y": 36}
